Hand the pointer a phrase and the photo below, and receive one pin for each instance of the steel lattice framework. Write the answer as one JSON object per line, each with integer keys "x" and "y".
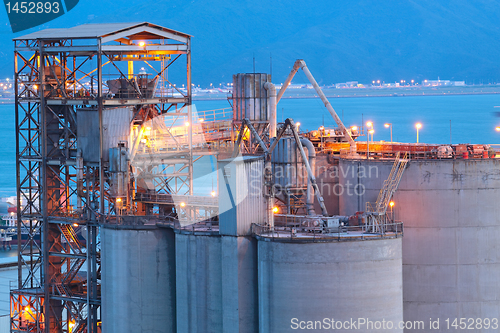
{"x": 63, "y": 191}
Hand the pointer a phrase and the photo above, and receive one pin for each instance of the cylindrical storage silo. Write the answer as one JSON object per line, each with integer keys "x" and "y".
{"x": 451, "y": 219}
{"x": 288, "y": 168}
{"x": 250, "y": 97}
{"x": 451, "y": 257}
{"x": 312, "y": 283}
{"x": 199, "y": 282}
{"x": 138, "y": 279}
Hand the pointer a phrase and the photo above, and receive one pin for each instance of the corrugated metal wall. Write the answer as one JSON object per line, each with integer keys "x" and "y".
{"x": 250, "y": 97}
{"x": 241, "y": 195}
{"x": 116, "y": 127}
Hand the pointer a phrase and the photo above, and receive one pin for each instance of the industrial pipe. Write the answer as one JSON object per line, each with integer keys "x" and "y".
{"x": 285, "y": 85}
{"x": 312, "y": 161}
{"x": 329, "y": 107}
{"x": 302, "y": 64}
{"x": 291, "y": 125}
{"x": 273, "y": 121}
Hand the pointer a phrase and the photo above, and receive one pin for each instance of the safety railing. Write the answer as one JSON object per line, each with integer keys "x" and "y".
{"x": 287, "y": 232}
{"x": 215, "y": 115}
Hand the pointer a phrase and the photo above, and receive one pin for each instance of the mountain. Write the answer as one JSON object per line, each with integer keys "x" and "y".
{"x": 340, "y": 41}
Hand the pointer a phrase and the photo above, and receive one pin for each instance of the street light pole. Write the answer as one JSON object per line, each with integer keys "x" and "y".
{"x": 387, "y": 125}
{"x": 367, "y": 145}
{"x": 369, "y": 124}
{"x": 368, "y": 142}
{"x": 418, "y": 126}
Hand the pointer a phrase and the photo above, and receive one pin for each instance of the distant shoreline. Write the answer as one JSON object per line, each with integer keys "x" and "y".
{"x": 423, "y": 94}
{"x": 352, "y": 93}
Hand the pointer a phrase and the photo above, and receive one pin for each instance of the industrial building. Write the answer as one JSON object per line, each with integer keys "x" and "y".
{"x": 125, "y": 235}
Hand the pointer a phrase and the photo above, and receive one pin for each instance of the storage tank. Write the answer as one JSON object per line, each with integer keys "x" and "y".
{"x": 138, "y": 279}
{"x": 306, "y": 281}
{"x": 290, "y": 174}
{"x": 250, "y": 98}
{"x": 288, "y": 168}
{"x": 451, "y": 218}
{"x": 199, "y": 281}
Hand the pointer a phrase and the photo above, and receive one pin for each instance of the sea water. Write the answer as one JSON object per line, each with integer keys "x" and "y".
{"x": 473, "y": 120}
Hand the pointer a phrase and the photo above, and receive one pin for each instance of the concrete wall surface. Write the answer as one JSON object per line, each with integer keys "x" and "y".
{"x": 138, "y": 280}
{"x": 343, "y": 281}
{"x": 239, "y": 291}
{"x": 451, "y": 252}
{"x": 451, "y": 249}
{"x": 199, "y": 283}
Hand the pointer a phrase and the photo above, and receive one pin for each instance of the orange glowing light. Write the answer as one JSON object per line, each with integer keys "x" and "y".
{"x": 119, "y": 200}
{"x": 186, "y": 123}
{"x": 354, "y": 128}
{"x": 183, "y": 204}
{"x": 75, "y": 225}
{"x": 391, "y": 204}
{"x": 418, "y": 125}
{"x": 497, "y": 128}
{"x": 275, "y": 209}
{"x": 213, "y": 193}
{"x": 142, "y": 44}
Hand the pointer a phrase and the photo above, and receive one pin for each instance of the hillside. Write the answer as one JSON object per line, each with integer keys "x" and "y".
{"x": 341, "y": 41}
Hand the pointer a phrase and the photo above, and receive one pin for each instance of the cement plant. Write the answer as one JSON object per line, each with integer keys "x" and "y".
{"x": 136, "y": 212}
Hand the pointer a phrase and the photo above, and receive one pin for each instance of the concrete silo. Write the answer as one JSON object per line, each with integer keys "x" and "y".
{"x": 451, "y": 222}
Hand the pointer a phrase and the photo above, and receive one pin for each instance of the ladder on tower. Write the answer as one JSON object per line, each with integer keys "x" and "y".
{"x": 376, "y": 212}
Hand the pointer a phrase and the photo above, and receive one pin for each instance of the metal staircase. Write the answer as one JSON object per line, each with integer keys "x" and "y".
{"x": 376, "y": 212}
{"x": 75, "y": 263}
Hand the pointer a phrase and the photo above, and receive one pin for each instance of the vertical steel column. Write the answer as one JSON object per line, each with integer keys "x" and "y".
{"x": 44, "y": 195}
{"x": 188, "y": 80}
{"x": 190, "y": 142}
{"x": 18, "y": 173}
{"x": 99, "y": 102}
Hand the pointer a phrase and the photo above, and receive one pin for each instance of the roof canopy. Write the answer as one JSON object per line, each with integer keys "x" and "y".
{"x": 110, "y": 31}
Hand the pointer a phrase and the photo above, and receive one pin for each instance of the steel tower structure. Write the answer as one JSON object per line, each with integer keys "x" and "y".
{"x": 72, "y": 87}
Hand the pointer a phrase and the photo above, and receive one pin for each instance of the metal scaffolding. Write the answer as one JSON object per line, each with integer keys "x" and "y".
{"x": 70, "y": 85}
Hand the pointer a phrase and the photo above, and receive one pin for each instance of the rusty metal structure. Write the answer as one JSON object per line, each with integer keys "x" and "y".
{"x": 77, "y": 97}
